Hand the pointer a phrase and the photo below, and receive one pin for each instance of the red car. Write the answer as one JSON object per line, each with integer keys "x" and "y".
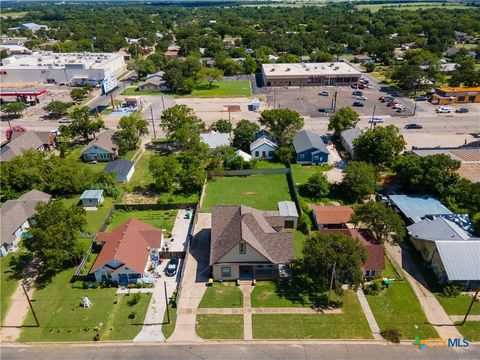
{"x": 393, "y": 102}
{"x": 361, "y": 86}
{"x": 382, "y": 98}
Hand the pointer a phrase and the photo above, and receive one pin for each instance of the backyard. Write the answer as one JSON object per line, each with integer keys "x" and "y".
{"x": 398, "y": 307}
{"x": 62, "y": 317}
{"x": 299, "y": 239}
{"x": 95, "y": 219}
{"x": 7, "y": 285}
{"x": 222, "y": 295}
{"x": 262, "y": 192}
{"x": 302, "y": 173}
{"x": 219, "y": 326}
{"x": 350, "y": 324}
{"x": 162, "y": 219}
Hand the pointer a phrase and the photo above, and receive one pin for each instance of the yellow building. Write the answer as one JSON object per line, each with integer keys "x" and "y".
{"x": 452, "y": 95}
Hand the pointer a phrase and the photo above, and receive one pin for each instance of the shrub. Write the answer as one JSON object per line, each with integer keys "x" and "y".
{"x": 304, "y": 223}
{"x": 451, "y": 290}
{"x": 135, "y": 299}
{"x": 132, "y": 315}
{"x": 374, "y": 288}
{"x": 392, "y": 335}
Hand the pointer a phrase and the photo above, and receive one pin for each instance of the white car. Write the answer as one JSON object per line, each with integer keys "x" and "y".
{"x": 443, "y": 109}
{"x": 398, "y": 106}
{"x": 361, "y": 97}
{"x": 376, "y": 120}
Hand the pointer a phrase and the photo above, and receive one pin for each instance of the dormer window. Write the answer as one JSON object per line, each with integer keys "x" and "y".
{"x": 242, "y": 248}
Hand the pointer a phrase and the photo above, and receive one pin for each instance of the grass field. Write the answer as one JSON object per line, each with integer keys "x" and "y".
{"x": 162, "y": 219}
{"x": 222, "y": 295}
{"x": 141, "y": 177}
{"x": 458, "y": 305}
{"x": 351, "y": 324}
{"x": 299, "y": 239}
{"x": 399, "y": 308}
{"x": 169, "y": 328}
{"x": 96, "y": 218}
{"x": 410, "y": 6}
{"x": 62, "y": 316}
{"x": 7, "y": 285}
{"x": 265, "y": 295}
{"x": 219, "y": 326}
{"x": 470, "y": 330}
{"x": 13, "y": 14}
{"x": 240, "y": 88}
{"x": 259, "y": 191}
{"x": 302, "y": 173}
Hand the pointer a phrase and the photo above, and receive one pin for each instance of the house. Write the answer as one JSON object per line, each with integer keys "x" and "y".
{"x": 347, "y": 137}
{"x": 123, "y": 169}
{"x": 128, "y": 252}
{"x": 30, "y": 27}
{"x": 153, "y": 82}
{"x": 172, "y": 52}
{"x": 92, "y": 199}
{"x": 375, "y": 263}
{"x": 415, "y": 208}
{"x": 16, "y": 217}
{"x": 263, "y": 148}
{"x": 309, "y": 148}
{"x": 362, "y": 59}
{"x": 23, "y": 141}
{"x": 288, "y": 211}
{"x": 331, "y": 216}
{"x": 462, "y": 37}
{"x": 214, "y": 139}
{"x": 243, "y": 155}
{"x": 15, "y": 49}
{"x": 247, "y": 243}
{"x": 102, "y": 148}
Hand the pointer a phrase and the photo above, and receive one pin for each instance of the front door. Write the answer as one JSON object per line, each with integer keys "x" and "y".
{"x": 246, "y": 272}
{"x": 264, "y": 154}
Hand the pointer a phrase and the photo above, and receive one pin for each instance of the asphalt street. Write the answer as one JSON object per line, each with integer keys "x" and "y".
{"x": 250, "y": 351}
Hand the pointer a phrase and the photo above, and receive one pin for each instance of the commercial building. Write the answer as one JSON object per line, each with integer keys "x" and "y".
{"x": 451, "y": 95}
{"x": 415, "y": 208}
{"x": 61, "y": 68}
{"x": 309, "y": 74}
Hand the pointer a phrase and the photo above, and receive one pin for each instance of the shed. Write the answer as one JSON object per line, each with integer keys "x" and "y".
{"x": 243, "y": 155}
{"x": 123, "y": 169}
{"x": 92, "y": 198}
{"x": 288, "y": 211}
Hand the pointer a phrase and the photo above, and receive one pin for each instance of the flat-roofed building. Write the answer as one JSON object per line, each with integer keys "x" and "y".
{"x": 451, "y": 95}
{"x": 309, "y": 74}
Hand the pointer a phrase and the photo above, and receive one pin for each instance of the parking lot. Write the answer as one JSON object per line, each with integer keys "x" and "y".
{"x": 307, "y": 100}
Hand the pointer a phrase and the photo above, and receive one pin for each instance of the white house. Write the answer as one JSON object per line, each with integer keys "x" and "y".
{"x": 92, "y": 198}
{"x": 263, "y": 148}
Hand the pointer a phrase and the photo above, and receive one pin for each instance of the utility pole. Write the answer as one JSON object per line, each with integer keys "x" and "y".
{"x": 153, "y": 122}
{"x": 166, "y": 301}
{"x": 335, "y": 101}
{"x": 30, "y": 304}
{"x": 415, "y": 109}
{"x": 163, "y": 103}
{"x": 331, "y": 279}
{"x": 229, "y": 117}
{"x": 470, "y": 307}
{"x": 373, "y": 115}
{"x": 274, "y": 99}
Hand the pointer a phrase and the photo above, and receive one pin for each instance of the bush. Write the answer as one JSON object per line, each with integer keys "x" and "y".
{"x": 132, "y": 315}
{"x": 304, "y": 223}
{"x": 108, "y": 284}
{"x": 135, "y": 299}
{"x": 316, "y": 187}
{"x": 374, "y": 288}
{"x": 392, "y": 335}
{"x": 451, "y": 290}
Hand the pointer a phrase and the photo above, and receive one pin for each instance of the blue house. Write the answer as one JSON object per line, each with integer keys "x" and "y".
{"x": 310, "y": 148}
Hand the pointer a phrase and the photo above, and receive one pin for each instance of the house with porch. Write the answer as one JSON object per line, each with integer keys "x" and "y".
{"x": 263, "y": 148}
{"x": 129, "y": 253}
{"x": 102, "y": 148}
{"x": 331, "y": 216}
{"x": 247, "y": 244}
{"x": 310, "y": 148}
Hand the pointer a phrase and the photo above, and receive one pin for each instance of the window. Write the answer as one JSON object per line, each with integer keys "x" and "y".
{"x": 315, "y": 157}
{"x": 226, "y": 272}
{"x": 425, "y": 252}
{"x": 270, "y": 153}
{"x": 461, "y": 98}
{"x": 370, "y": 273}
{"x": 243, "y": 248}
{"x": 302, "y": 156}
{"x": 257, "y": 154}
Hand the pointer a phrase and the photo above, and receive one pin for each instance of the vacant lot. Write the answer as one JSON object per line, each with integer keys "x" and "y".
{"x": 62, "y": 316}
{"x": 222, "y": 295}
{"x": 259, "y": 191}
{"x": 162, "y": 219}
{"x": 351, "y": 324}
{"x": 220, "y": 326}
{"x": 399, "y": 308}
{"x": 7, "y": 285}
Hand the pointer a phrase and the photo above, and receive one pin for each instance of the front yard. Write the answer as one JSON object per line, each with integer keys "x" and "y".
{"x": 265, "y": 295}
{"x": 458, "y": 305}
{"x": 162, "y": 219}
{"x": 7, "y": 285}
{"x": 262, "y": 192}
{"x": 222, "y": 295}
{"x": 62, "y": 316}
{"x": 219, "y": 326}
{"x": 399, "y": 308}
{"x": 470, "y": 330}
{"x": 350, "y": 324}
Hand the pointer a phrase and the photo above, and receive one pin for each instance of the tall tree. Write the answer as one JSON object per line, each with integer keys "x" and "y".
{"x": 345, "y": 118}
{"x": 165, "y": 171}
{"x": 384, "y": 222}
{"x": 78, "y": 94}
{"x": 182, "y": 125}
{"x": 282, "y": 123}
{"x": 57, "y": 108}
{"x": 130, "y": 129}
{"x": 316, "y": 187}
{"x": 359, "y": 180}
{"x": 380, "y": 145}
{"x": 222, "y": 126}
{"x": 14, "y": 107}
{"x": 83, "y": 124}
{"x": 210, "y": 75}
{"x": 244, "y": 134}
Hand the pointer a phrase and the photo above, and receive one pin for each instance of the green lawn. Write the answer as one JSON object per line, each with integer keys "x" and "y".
{"x": 7, "y": 285}
{"x": 162, "y": 219}
{"x": 299, "y": 239}
{"x": 399, "y": 308}
{"x": 96, "y": 218}
{"x": 458, "y": 305}
{"x": 265, "y": 295}
{"x": 351, "y": 324}
{"x": 169, "y": 328}
{"x": 259, "y": 191}
{"x": 75, "y": 154}
{"x": 62, "y": 316}
{"x": 219, "y": 326}
{"x": 302, "y": 173}
{"x": 389, "y": 271}
{"x": 222, "y": 295}
{"x": 265, "y": 164}
{"x": 141, "y": 178}
{"x": 470, "y": 330}
{"x": 14, "y": 14}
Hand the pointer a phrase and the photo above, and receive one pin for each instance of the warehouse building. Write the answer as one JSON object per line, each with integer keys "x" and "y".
{"x": 309, "y": 74}
{"x": 61, "y": 68}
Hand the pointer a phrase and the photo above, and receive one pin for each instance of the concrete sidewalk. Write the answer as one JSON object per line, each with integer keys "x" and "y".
{"x": 369, "y": 315}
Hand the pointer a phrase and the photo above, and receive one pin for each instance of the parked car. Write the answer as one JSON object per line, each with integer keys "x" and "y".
{"x": 362, "y": 97}
{"x": 172, "y": 267}
{"x": 354, "y": 86}
{"x": 324, "y": 93}
{"x": 382, "y": 98}
{"x": 421, "y": 98}
{"x": 364, "y": 81}
{"x": 382, "y": 198}
{"x": 64, "y": 121}
{"x": 357, "y": 93}
{"x": 443, "y": 109}
{"x": 401, "y": 109}
{"x": 362, "y": 86}
{"x": 413, "y": 126}
{"x": 392, "y": 103}
{"x": 462, "y": 110}
{"x": 376, "y": 120}
{"x": 398, "y": 106}
{"x": 358, "y": 104}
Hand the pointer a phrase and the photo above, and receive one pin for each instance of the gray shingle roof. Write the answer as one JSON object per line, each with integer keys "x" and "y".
{"x": 305, "y": 140}
{"x": 350, "y": 135}
{"x": 232, "y": 224}
{"x": 22, "y": 141}
{"x": 461, "y": 259}
{"x": 260, "y": 141}
{"x": 103, "y": 140}
{"x": 14, "y": 213}
{"x": 438, "y": 229}
{"x": 120, "y": 166}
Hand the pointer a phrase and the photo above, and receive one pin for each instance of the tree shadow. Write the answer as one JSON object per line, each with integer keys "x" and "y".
{"x": 206, "y": 87}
